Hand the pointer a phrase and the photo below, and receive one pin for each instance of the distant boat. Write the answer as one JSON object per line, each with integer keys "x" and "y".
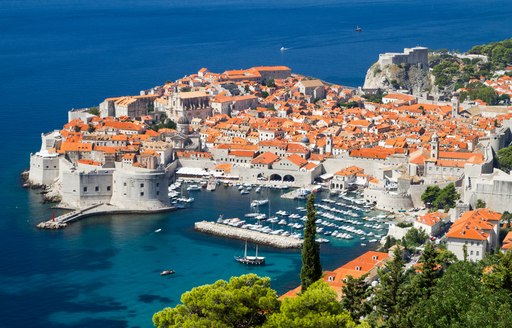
{"x": 256, "y": 203}
{"x": 212, "y": 184}
{"x": 167, "y": 272}
{"x": 283, "y": 49}
{"x": 158, "y": 230}
{"x": 252, "y": 260}
{"x": 358, "y": 29}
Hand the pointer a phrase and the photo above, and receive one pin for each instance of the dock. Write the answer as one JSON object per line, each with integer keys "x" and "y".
{"x": 297, "y": 193}
{"x": 248, "y": 235}
{"x": 62, "y": 221}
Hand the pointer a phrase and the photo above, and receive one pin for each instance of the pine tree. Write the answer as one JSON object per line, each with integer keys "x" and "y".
{"x": 389, "y": 295}
{"x": 430, "y": 270}
{"x": 311, "y": 267}
{"x": 355, "y": 294}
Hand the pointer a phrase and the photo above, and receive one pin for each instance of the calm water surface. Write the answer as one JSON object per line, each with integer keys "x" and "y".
{"x": 57, "y": 54}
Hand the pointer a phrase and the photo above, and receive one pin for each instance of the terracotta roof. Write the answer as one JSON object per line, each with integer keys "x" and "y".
{"x": 266, "y": 158}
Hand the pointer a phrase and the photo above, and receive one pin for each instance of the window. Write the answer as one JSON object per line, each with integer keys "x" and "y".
{"x": 331, "y": 278}
{"x": 108, "y": 188}
{"x": 85, "y": 189}
{"x": 157, "y": 192}
{"x": 142, "y": 185}
{"x": 124, "y": 184}
{"x": 158, "y": 184}
{"x": 358, "y": 268}
{"x": 471, "y": 253}
{"x": 477, "y": 252}
{"x": 142, "y": 193}
{"x": 97, "y": 188}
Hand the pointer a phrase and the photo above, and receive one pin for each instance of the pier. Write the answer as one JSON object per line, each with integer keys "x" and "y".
{"x": 249, "y": 235}
{"x": 298, "y": 193}
{"x": 64, "y": 220}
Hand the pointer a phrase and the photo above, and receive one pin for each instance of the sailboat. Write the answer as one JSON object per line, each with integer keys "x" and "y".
{"x": 358, "y": 29}
{"x": 252, "y": 260}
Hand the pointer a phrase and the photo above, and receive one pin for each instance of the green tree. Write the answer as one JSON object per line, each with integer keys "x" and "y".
{"x": 311, "y": 267}
{"x": 415, "y": 237}
{"x": 447, "y": 197}
{"x": 430, "y": 270}
{"x": 499, "y": 275}
{"x": 460, "y": 299}
{"x": 480, "y": 204}
{"x": 244, "y": 301}
{"x": 430, "y": 195}
{"x": 316, "y": 307}
{"x": 505, "y": 158}
{"x": 270, "y": 83}
{"x": 389, "y": 295}
{"x": 90, "y": 128}
{"x": 94, "y": 111}
{"x": 355, "y": 297}
{"x": 390, "y": 241}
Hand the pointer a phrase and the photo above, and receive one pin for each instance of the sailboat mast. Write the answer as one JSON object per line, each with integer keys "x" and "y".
{"x": 256, "y": 251}
{"x": 245, "y": 252}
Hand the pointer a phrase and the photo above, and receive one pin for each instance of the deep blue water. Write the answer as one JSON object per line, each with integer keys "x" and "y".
{"x": 58, "y": 54}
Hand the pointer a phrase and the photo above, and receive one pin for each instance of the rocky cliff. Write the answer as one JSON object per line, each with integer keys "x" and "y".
{"x": 403, "y": 76}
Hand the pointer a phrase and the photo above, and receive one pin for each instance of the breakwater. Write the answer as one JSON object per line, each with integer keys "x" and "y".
{"x": 249, "y": 235}
{"x": 94, "y": 210}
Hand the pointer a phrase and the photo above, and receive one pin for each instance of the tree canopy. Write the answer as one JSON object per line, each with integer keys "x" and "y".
{"x": 505, "y": 158}
{"x": 316, "y": 307}
{"x": 437, "y": 198}
{"x": 499, "y": 53}
{"x": 244, "y": 301}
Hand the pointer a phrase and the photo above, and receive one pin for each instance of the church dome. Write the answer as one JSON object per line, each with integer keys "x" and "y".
{"x": 304, "y": 140}
{"x": 183, "y": 120}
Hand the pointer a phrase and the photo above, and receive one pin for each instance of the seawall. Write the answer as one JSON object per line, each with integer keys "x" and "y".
{"x": 249, "y": 235}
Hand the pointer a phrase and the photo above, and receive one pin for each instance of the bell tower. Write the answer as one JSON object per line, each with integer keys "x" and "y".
{"x": 434, "y": 147}
{"x": 455, "y": 105}
{"x": 328, "y": 144}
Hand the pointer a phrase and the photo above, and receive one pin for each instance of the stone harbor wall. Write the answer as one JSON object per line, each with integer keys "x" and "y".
{"x": 249, "y": 235}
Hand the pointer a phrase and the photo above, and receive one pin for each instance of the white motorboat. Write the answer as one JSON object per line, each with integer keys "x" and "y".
{"x": 193, "y": 187}
{"x": 259, "y": 202}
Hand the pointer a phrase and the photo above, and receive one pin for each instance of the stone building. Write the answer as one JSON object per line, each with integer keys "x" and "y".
{"x": 412, "y": 56}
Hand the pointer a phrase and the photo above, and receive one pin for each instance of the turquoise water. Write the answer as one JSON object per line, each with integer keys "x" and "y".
{"x": 57, "y": 54}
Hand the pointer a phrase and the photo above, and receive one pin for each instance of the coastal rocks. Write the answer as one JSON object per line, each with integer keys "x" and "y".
{"x": 248, "y": 235}
{"x": 403, "y": 76}
{"x": 52, "y": 225}
{"x": 51, "y": 194}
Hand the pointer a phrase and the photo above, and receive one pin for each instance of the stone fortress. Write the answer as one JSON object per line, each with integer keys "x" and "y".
{"x": 411, "y": 56}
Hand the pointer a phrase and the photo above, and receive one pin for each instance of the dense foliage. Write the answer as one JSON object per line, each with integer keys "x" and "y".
{"x": 505, "y": 158}
{"x": 316, "y": 307}
{"x": 437, "y": 198}
{"x": 499, "y": 53}
{"x": 244, "y": 301}
{"x": 480, "y": 91}
{"x": 438, "y": 291}
{"x": 311, "y": 267}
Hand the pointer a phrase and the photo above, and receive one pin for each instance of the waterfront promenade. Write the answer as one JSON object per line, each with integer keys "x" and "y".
{"x": 248, "y": 235}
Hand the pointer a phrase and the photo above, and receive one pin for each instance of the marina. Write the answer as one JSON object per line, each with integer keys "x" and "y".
{"x": 341, "y": 217}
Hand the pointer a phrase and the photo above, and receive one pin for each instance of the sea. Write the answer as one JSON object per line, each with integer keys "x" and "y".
{"x": 61, "y": 54}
